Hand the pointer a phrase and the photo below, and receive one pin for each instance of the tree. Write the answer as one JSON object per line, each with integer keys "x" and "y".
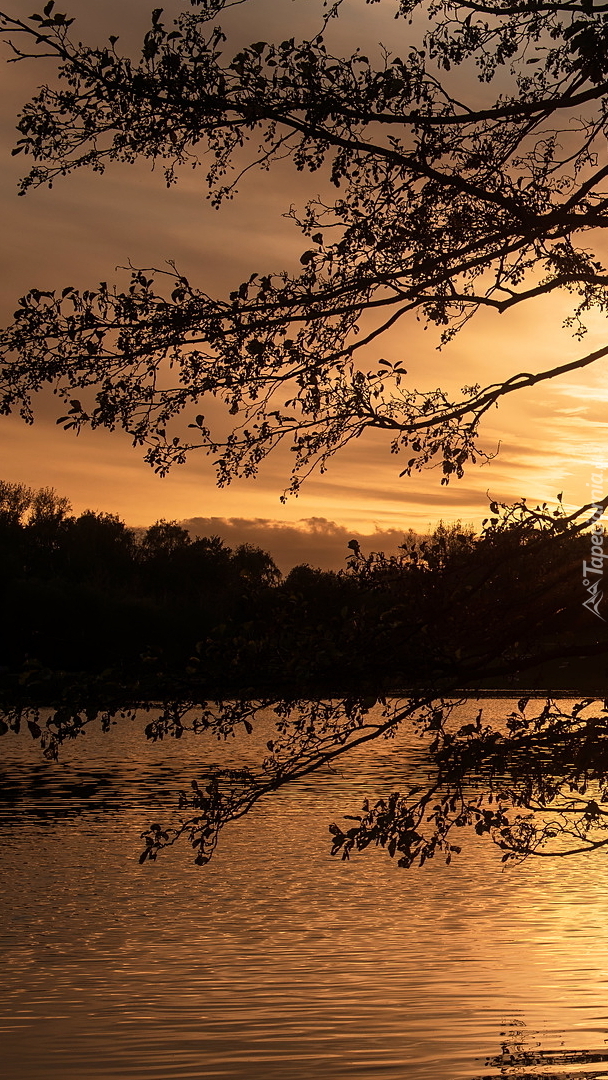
{"x": 255, "y": 566}
{"x": 468, "y": 175}
{"x": 98, "y": 548}
{"x": 164, "y": 539}
{"x": 15, "y": 501}
{"x": 452, "y": 196}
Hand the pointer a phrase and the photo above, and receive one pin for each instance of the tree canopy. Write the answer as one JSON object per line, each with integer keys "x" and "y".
{"x": 468, "y": 174}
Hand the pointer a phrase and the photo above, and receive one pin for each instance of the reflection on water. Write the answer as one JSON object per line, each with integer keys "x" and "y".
{"x": 276, "y": 960}
{"x": 522, "y": 1057}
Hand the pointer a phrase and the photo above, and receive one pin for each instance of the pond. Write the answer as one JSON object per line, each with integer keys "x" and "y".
{"x": 277, "y": 960}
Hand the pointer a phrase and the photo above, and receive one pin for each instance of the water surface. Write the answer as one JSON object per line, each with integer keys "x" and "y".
{"x": 277, "y": 960}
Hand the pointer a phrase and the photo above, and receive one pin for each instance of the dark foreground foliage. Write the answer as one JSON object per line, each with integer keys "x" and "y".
{"x": 325, "y": 654}
{"x": 84, "y": 596}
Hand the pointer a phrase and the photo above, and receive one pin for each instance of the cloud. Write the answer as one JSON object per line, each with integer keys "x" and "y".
{"x": 316, "y": 540}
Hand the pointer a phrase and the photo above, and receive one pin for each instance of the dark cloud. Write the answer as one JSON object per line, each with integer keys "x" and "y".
{"x": 316, "y": 541}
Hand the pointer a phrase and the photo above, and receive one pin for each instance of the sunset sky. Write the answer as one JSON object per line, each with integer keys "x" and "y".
{"x": 76, "y": 234}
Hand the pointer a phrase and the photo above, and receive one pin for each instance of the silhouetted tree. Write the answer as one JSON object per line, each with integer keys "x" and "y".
{"x": 98, "y": 548}
{"x": 164, "y": 539}
{"x": 453, "y": 196}
{"x": 255, "y": 566}
{"x": 15, "y": 501}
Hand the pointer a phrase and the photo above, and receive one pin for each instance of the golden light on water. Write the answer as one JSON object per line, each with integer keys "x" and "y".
{"x": 277, "y": 955}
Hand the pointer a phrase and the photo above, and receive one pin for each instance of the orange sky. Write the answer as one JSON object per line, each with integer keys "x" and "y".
{"x": 77, "y": 233}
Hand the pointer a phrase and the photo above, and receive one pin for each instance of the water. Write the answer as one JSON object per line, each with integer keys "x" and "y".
{"x": 277, "y": 960}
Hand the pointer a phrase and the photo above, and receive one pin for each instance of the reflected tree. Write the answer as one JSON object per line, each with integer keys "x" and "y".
{"x": 535, "y": 782}
{"x": 522, "y": 1055}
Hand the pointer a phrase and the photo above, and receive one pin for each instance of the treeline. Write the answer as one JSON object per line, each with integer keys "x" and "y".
{"x": 88, "y": 595}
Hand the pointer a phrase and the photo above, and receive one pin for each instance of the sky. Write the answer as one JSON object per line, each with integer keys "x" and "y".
{"x": 550, "y": 437}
